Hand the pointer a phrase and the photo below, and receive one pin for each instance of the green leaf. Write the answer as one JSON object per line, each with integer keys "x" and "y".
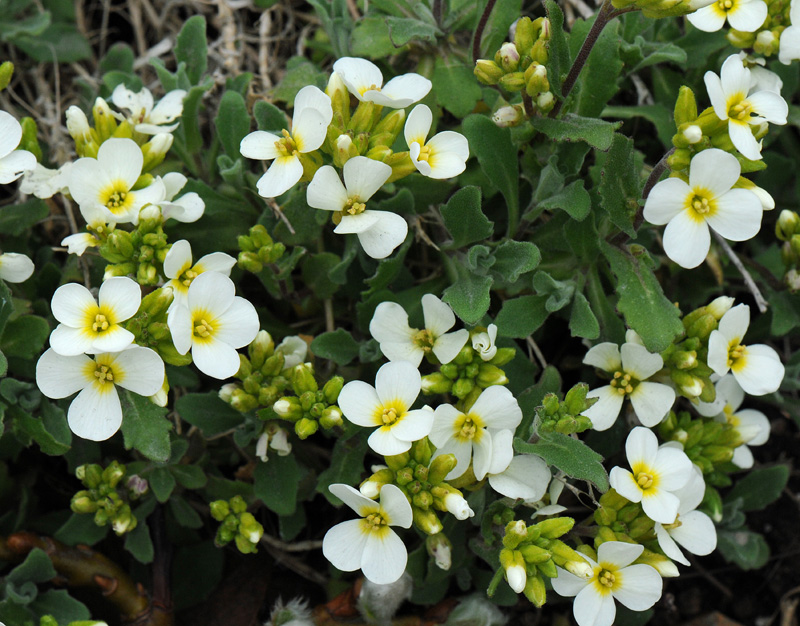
{"x": 574, "y": 199}
{"x": 760, "y": 487}
{"x": 210, "y": 414}
{"x": 25, "y": 337}
{"x": 469, "y": 295}
{"x": 370, "y": 38}
{"x": 6, "y": 305}
{"x": 652, "y": 52}
{"x": 497, "y": 156}
{"x": 17, "y": 218}
{"x": 3, "y": 365}
{"x": 59, "y": 42}
{"x": 746, "y": 549}
{"x": 346, "y": 464}
{"x": 316, "y": 269}
{"x": 300, "y": 72}
{"x": 405, "y": 29}
{"x": 559, "y": 292}
{"x": 558, "y": 60}
{"x": 191, "y": 48}
{"x": 571, "y": 456}
{"x": 120, "y": 58}
{"x": 81, "y": 529}
{"x": 597, "y": 133}
{"x": 455, "y": 87}
{"x": 190, "y": 476}
{"x": 521, "y": 316}
{"x": 620, "y": 184}
{"x": 582, "y": 321}
{"x": 232, "y": 123}
{"x": 184, "y": 514}
{"x": 641, "y": 300}
{"x": 162, "y": 483}
{"x": 36, "y": 568}
{"x": 61, "y": 606}
{"x": 51, "y": 432}
{"x": 514, "y": 258}
{"x": 338, "y": 346}
{"x": 139, "y": 543}
{"x": 145, "y": 426}
{"x": 598, "y": 79}
{"x": 33, "y": 25}
{"x": 464, "y": 218}
{"x": 269, "y": 117}
{"x": 275, "y": 483}
{"x": 659, "y": 115}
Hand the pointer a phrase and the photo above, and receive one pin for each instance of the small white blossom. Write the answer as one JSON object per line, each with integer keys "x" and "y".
{"x": 790, "y": 38}
{"x": 744, "y": 15}
{"x": 442, "y": 156}
{"x": 13, "y": 162}
{"x": 15, "y": 267}
{"x": 365, "y": 81}
{"x": 180, "y": 271}
{"x": 188, "y": 208}
{"x": 43, "y": 182}
{"x": 483, "y": 343}
{"x": 294, "y": 351}
{"x": 142, "y": 115}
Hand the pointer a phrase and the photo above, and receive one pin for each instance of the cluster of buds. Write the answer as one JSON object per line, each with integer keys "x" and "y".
{"x": 140, "y": 252}
{"x": 88, "y": 139}
{"x": 310, "y": 407}
{"x": 787, "y": 230}
{"x": 565, "y": 417}
{"x": 709, "y": 444}
{"x": 236, "y": 525}
{"x": 258, "y": 249}
{"x": 698, "y": 132}
{"x": 685, "y": 360}
{"x": 468, "y": 374}
{"x": 422, "y": 478}
{"x": 766, "y": 39}
{"x": 661, "y": 8}
{"x": 149, "y": 327}
{"x": 107, "y": 497}
{"x": 531, "y": 553}
{"x": 521, "y": 66}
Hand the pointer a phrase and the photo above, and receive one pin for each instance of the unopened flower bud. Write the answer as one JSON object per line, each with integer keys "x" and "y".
{"x": 458, "y": 506}
{"x": 535, "y": 591}
{"x": 78, "y": 125}
{"x": 104, "y": 122}
{"x": 137, "y": 486}
{"x": 579, "y": 568}
{"x": 545, "y": 101}
{"x": 515, "y": 533}
{"x": 508, "y": 116}
{"x": 426, "y": 521}
{"x": 288, "y": 408}
{"x": 788, "y": 224}
{"x": 440, "y": 548}
{"x": 6, "y": 72}
{"x": 524, "y": 35}
{"x": 693, "y": 133}
{"x": 331, "y": 416}
{"x": 508, "y": 57}
{"x": 302, "y": 377}
{"x": 155, "y": 150}
{"x": 488, "y": 72}
{"x": 515, "y": 81}
{"x": 305, "y": 427}
{"x": 555, "y": 527}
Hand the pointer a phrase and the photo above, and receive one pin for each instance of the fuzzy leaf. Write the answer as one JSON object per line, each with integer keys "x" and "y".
{"x": 760, "y": 487}
{"x": 597, "y": 133}
{"x": 208, "y": 413}
{"x": 464, "y": 218}
{"x": 232, "y": 123}
{"x": 571, "y": 456}
{"x": 191, "y": 48}
{"x": 521, "y": 316}
{"x": 145, "y": 426}
{"x": 338, "y": 346}
{"x": 276, "y": 483}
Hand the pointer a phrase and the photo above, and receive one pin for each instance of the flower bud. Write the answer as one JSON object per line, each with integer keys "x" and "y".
{"x": 302, "y": 377}
{"x": 113, "y": 474}
{"x": 788, "y": 224}
{"x": 659, "y": 562}
{"x": 462, "y": 387}
{"x": 515, "y": 533}
{"x": 440, "y": 548}
{"x": 525, "y": 35}
{"x": 136, "y": 485}
{"x": 288, "y": 408}
{"x": 575, "y": 400}
{"x": 344, "y": 150}
{"x": 545, "y": 101}
{"x": 534, "y": 554}
{"x": 104, "y": 122}
{"x": 505, "y": 117}
{"x": 720, "y": 306}
{"x": 535, "y": 591}
{"x": 155, "y": 150}
{"x": 78, "y": 125}
{"x": 488, "y": 72}
{"x": 306, "y": 427}
{"x": 508, "y": 57}
{"x": 422, "y": 499}
{"x": 331, "y": 416}
{"x": 6, "y": 72}
{"x": 82, "y": 503}
{"x": 685, "y": 108}
{"x": 515, "y": 81}
{"x": 435, "y": 383}
{"x": 426, "y": 521}
{"x": 340, "y": 98}
{"x": 679, "y": 160}
{"x": 692, "y": 133}
{"x": 489, "y": 375}
{"x": 440, "y": 467}
{"x": 458, "y": 506}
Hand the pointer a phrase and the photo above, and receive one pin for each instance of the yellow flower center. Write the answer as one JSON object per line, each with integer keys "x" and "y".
{"x": 202, "y": 329}
{"x": 372, "y": 87}
{"x": 623, "y": 383}
{"x": 187, "y": 277}
{"x": 287, "y": 145}
{"x": 100, "y": 323}
{"x": 116, "y": 200}
{"x": 104, "y": 374}
{"x": 353, "y": 206}
{"x": 424, "y": 339}
{"x": 389, "y": 416}
{"x": 424, "y": 153}
{"x": 736, "y": 355}
{"x": 469, "y": 428}
{"x": 606, "y": 578}
{"x": 374, "y": 521}
{"x": 725, "y": 5}
{"x": 644, "y": 480}
{"x": 741, "y": 110}
{"x": 116, "y": 196}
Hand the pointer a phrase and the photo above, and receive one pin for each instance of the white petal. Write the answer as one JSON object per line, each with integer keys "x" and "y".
{"x": 718, "y": 353}
{"x": 716, "y": 95}
{"x": 384, "y": 442}
{"x": 743, "y": 140}
{"x": 590, "y": 608}
{"x": 239, "y": 325}
{"x": 168, "y": 108}
{"x": 357, "y": 224}
{"x": 354, "y": 499}
{"x": 696, "y": 533}
{"x": 15, "y": 268}
{"x": 619, "y": 554}
{"x": 673, "y": 468}
{"x": 186, "y": 209}
{"x": 760, "y": 371}
{"x": 447, "y": 346}
{"x": 640, "y": 589}
{"x": 418, "y": 124}
{"x": 95, "y": 415}
{"x": 770, "y": 105}
{"x": 69, "y": 341}
{"x": 691, "y": 494}
{"x": 714, "y": 170}
{"x": 396, "y": 505}
{"x": 15, "y": 165}
{"x": 114, "y": 339}
{"x": 260, "y": 145}
{"x": 359, "y": 402}
{"x": 527, "y": 477}
{"x": 384, "y": 558}
{"x": 364, "y": 176}
{"x": 179, "y": 321}
{"x": 443, "y": 428}
{"x": 498, "y": 408}
{"x": 604, "y": 412}
{"x": 735, "y": 76}
{"x": 120, "y": 159}
{"x": 448, "y": 156}
{"x": 743, "y": 457}
{"x": 173, "y": 183}
{"x": 326, "y": 191}
{"x": 309, "y": 128}
{"x": 212, "y": 293}
{"x": 668, "y": 545}
{"x": 407, "y": 89}
{"x": 390, "y": 324}
{"x": 10, "y": 133}
{"x": 358, "y": 74}
{"x": 314, "y": 98}
{"x": 344, "y": 544}
{"x": 641, "y": 446}
{"x": 735, "y": 322}
{"x": 71, "y": 304}
{"x": 122, "y": 295}
{"x": 666, "y": 200}
{"x": 481, "y": 455}
{"x": 747, "y": 16}
{"x": 687, "y": 240}
{"x": 439, "y": 317}
{"x": 78, "y": 243}
{"x": 753, "y": 426}
{"x": 281, "y": 176}
{"x": 652, "y": 402}
{"x": 503, "y": 452}
{"x": 60, "y": 376}
{"x": 178, "y": 259}
{"x": 660, "y": 506}
{"x": 139, "y": 369}
{"x": 567, "y": 584}
{"x": 215, "y": 262}
{"x": 405, "y": 351}
{"x": 215, "y": 358}
{"x": 790, "y": 43}
{"x": 738, "y": 215}
{"x": 388, "y": 232}
{"x": 398, "y": 381}
{"x": 604, "y": 356}
{"x": 638, "y": 362}
{"x": 707, "y": 19}
{"x": 624, "y": 484}
{"x": 413, "y": 425}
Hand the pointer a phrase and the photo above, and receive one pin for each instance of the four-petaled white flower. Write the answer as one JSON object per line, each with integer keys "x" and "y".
{"x": 43, "y": 182}
{"x": 387, "y": 405}
{"x": 13, "y": 162}
{"x": 730, "y": 97}
{"x": 657, "y": 473}
{"x": 294, "y": 351}
{"x": 707, "y": 200}
{"x": 188, "y": 208}
{"x": 525, "y": 476}
{"x": 106, "y": 182}
{"x": 87, "y": 326}
{"x": 15, "y": 267}
{"x": 757, "y": 369}
{"x": 96, "y": 412}
{"x": 379, "y": 232}
{"x": 369, "y": 544}
{"x": 312, "y": 114}
{"x": 483, "y": 342}
{"x": 400, "y": 342}
{"x": 443, "y": 156}
{"x": 744, "y": 15}
{"x": 637, "y": 587}
{"x": 143, "y": 116}
{"x": 790, "y": 38}
{"x": 752, "y": 426}
{"x": 692, "y": 529}
{"x": 470, "y": 435}
{"x": 213, "y": 323}
{"x": 179, "y": 269}
{"x": 630, "y": 366}
{"x": 365, "y": 81}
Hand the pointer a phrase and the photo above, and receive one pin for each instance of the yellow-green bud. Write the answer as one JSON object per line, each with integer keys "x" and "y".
{"x": 29, "y": 140}
{"x": 426, "y": 521}
{"x": 516, "y": 532}
{"x": 6, "y": 72}
{"x": 507, "y": 57}
{"x": 306, "y": 427}
{"x": 340, "y": 98}
{"x": 534, "y": 554}
{"x": 515, "y": 81}
{"x": 423, "y": 499}
{"x": 82, "y": 503}
{"x": 788, "y": 224}
{"x": 685, "y": 106}
{"x": 397, "y": 461}
{"x": 302, "y": 377}
{"x": 575, "y": 400}
{"x": 462, "y": 387}
{"x": 535, "y": 590}
{"x": 155, "y": 150}
{"x": 331, "y": 416}
{"x": 489, "y": 375}
{"x": 436, "y": 383}
{"x": 104, "y": 122}
{"x": 679, "y": 160}
{"x": 113, "y": 474}
{"x": 440, "y": 467}
{"x": 332, "y": 388}
{"x": 488, "y": 72}
{"x": 525, "y": 35}
{"x": 509, "y": 116}
{"x": 555, "y": 527}
{"x": 364, "y": 118}
{"x": 440, "y": 549}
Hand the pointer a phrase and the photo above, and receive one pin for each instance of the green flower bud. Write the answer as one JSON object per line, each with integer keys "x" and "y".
{"x": 515, "y": 533}
{"x": 449, "y": 370}
{"x": 489, "y": 375}
{"x": 551, "y": 404}
{"x": 513, "y": 82}
{"x": 82, "y": 503}
{"x": 397, "y": 461}
{"x": 331, "y": 416}
{"x": 440, "y": 467}
{"x": 605, "y": 516}
{"x": 679, "y": 160}
{"x": 260, "y": 348}
{"x": 250, "y": 262}
{"x": 462, "y": 387}
{"x": 423, "y": 499}
{"x": 104, "y": 122}
{"x": 534, "y": 554}
{"x": 535, "y": 590}
{"x": 340, "y": 99}
{"x": 440, "y": 549}
{"x": 503, "y": 356}
{"x": 238, "y": 505}
{"x": 547, "y": 569}
{"x": 29, "y": 140}
{"x": 525, "y": 34}
{"x": 404, "y": 476}
{"x": 6, "y": 72}
{"x": 244, "y": 545}
{"x": 250, "y": 528}
{"x": 788, "y": 224}
{"x": 436, "y": 383}
{"x": 685, "y": 106}
{"x": 488, "y": 72}
{"x": 390, "y": 126}
{"x": 306, "y": 427}
{"x": 124, "y": 521}
{"x": 302, "y": 377}
{"x": 219, "y": 510}
{"x": 332, "y": 388}
{"x": 155, "y": 150}
{"x": 426, "y": 521}
{"x": 507, "y": 57}
{"x": 113, "y": 474}
{"x": 90, "y": 475}
{"x": 575, "y": 400}
{"x": 288, "y": 408}
{"x": 555, "y": 527}
{"x": 364, "y": 117}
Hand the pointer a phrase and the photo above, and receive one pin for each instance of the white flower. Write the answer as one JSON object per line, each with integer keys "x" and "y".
{"x": 213, "y": 323}
{"x": 388, "y": 406}
{"x": 630, "y": 367}
{"x": 273, "y": 437}
{"x": 752, "y": 426}
{"x": 657, "y": 473}
{"x": 730, "y": 97}
{"x": 294, "y": 351}
{"x": 179, "y": 269}
{"x": 96, "y": 412}
{"x": 744, "y": 15}
{"x": 365, "y": 81}
{"x": 369, "y": 544}
{"x": 692, "y": 529}
{"x": 188, "y": 208}
{"x": 525, "y": 476}
{"x": 15, "y": 267}
{"x": 43, "y": 182}
{"x": 757, "y": 369}
{"x": 790, "y": 38}
{"x": 443, "y": 156}
{"x": 458, "y": 506}
{"x": 400, "y": 342}
{"x": 312, "y": 114}
{"x": 541, "y": 508}
{"x": 379, "y": 232}
{"x": 637, "y": 587}
{"x": 469, "y": 435}
{"x": 106, "y": 183}
{"x": 89, "y": 327}
{"x": 483, "y": 343}
{"x": 95, "y": 223}
{"x": 143, "y": 116}
{"x": 707, "y": 200}
{"x": 13, "y": 162}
